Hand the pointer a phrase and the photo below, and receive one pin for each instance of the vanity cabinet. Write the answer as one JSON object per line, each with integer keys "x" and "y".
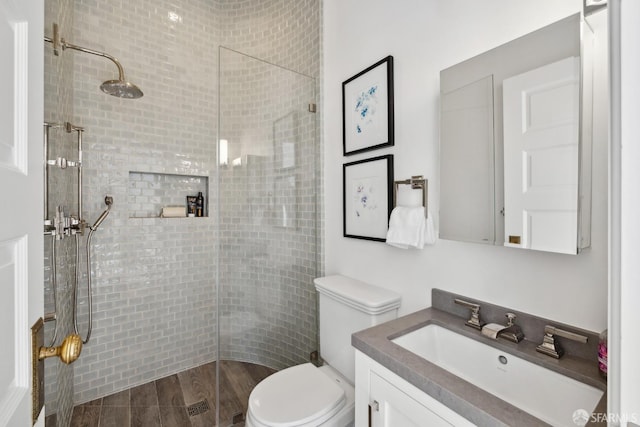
{"x": 383, "y": 399}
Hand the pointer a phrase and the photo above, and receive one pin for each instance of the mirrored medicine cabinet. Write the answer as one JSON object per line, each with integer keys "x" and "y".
{"x": 515, "y": 142}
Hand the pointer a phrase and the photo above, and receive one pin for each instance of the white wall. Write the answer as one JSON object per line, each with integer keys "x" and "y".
{"x": 425, "y": 36}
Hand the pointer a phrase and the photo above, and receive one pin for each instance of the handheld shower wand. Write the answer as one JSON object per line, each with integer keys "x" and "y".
{"x": 108, "y": 200}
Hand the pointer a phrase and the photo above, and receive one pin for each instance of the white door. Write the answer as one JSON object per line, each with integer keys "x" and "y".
{"x": 21, "y": 229}
{"x": 541, "y": 134}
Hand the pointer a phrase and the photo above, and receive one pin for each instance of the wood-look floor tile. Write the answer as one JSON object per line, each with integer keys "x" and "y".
{"x": 169, "y": 391}
{"x": 164, "y": 402}
{"x": 206, "y": 419}
{"x": 258, "y": 372}
{"x": 144, "y": 395}
{"x": 85, "y": 416}
{"x": 240, "y": 380}
{"x": 115, "y": 416}
{"x": 174, "y": 416}
{"x": 230, "y": 403}
{"x": 51, "y": 420}
{"x": 148, "y": 416}
{"x": 95, "y": 402}
{"x": 198, "y": 383}
{"x": 117, "y": 399}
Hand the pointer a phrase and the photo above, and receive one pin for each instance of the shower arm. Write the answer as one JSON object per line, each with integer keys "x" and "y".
{"x": 120, "y": 88}
{"x": 66, "y": 45}
{"x": 58, "y": 42}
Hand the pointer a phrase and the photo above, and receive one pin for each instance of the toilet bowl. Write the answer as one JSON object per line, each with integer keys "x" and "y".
{"x": 310, "y": 396}
{"x": 302, "y": 396}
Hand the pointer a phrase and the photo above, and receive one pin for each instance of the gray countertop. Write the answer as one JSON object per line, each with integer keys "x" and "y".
{"x": 473, "y": 403}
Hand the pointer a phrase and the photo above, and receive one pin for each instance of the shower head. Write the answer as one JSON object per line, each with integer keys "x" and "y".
{"x": 121, "y": 89}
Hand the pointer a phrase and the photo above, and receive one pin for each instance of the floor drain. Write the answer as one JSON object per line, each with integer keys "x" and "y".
{"x": 198, "y": 408}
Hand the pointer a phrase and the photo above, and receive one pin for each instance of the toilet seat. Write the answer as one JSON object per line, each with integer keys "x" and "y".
{"x": 298, "y": 396}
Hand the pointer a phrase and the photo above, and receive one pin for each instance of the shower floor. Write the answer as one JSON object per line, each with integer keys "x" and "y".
{"x": 179, "y": 400}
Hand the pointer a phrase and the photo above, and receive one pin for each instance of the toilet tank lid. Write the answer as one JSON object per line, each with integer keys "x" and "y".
{"x": 362, "y": 296}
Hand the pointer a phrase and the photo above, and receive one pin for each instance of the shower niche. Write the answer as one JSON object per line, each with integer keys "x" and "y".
{"x": 151, "y": 193}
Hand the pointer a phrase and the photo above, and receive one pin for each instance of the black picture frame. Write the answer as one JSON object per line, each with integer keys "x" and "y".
{"x": 367, "y": 198}
{"x": 367, "y": 109}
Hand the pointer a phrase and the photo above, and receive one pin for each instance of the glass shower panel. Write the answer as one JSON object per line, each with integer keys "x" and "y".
{"x": 268, "y": 164}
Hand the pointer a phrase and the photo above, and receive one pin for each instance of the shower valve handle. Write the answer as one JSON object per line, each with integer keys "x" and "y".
{"x": 68, "y": 351}
{"x": 63, "y": 163}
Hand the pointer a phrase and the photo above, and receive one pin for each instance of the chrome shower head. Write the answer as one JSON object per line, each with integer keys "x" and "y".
{"x": 121, "y": 89}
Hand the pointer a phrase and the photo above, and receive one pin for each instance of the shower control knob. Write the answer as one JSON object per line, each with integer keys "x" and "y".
{"x": 68, "y": 351}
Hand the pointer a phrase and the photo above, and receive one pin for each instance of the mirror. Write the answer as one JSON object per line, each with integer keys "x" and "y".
{"x": 515, "y": 143}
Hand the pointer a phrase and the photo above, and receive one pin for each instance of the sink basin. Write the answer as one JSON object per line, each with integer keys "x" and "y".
{"x": 545, "y": 394}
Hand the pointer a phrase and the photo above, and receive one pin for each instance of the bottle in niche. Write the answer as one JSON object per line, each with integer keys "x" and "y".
{"x": 191, "y": 205}
{"x": 200, "y": 204}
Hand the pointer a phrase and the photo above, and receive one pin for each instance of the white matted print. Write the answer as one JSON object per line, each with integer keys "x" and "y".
{"x": 367, "y": 198}
{"x": 367, "y": 108}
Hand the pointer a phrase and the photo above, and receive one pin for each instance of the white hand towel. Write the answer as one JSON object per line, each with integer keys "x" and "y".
{"x": 430, "y": 235}
{"x": 407, "y": 227}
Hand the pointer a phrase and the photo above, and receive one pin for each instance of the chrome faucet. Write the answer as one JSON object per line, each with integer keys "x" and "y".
{"x": 512, "y": 332}
{"x": 550, "y": 347}
{"x": 474, "y": 320}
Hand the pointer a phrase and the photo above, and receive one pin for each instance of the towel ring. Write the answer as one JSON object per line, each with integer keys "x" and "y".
{"x": 416, "y": 182}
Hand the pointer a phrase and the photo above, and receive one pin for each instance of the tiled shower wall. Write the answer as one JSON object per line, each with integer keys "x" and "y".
{"x": 62, "y": 192}
{"x": 268, "y": 302}
{"x": 268, "y": 206}
{"x": 154, "y": 278}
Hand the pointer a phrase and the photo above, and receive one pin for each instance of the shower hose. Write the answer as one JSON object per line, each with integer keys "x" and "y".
{"x": 75, "y": 288}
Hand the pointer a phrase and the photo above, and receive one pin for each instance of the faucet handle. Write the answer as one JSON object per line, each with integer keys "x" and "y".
{"x": 550, "y": 347}
{"x": 474, "y": 320}
{"x": 511, "y": 317}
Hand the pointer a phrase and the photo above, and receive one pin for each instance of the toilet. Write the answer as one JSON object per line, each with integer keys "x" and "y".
{"x": 310, "y": 396}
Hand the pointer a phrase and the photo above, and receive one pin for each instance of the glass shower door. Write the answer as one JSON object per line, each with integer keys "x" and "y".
{"x": 268, "y": 162}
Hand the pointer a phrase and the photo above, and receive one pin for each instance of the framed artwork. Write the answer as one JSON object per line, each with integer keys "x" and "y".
{"x": 284, "y": 140}
{"x": 367, "y": 109}
{"x": 367, "y": 197}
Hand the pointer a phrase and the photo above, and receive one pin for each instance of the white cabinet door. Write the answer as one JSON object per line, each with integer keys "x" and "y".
{"x": 385, "y": 399}
{"x": 21, "y": 226}
{"x": 541, "y": 134}
{"x": 391, "y": 407}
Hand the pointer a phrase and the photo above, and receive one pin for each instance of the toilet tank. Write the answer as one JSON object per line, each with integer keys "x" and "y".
{"x": 347, "y": 306}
